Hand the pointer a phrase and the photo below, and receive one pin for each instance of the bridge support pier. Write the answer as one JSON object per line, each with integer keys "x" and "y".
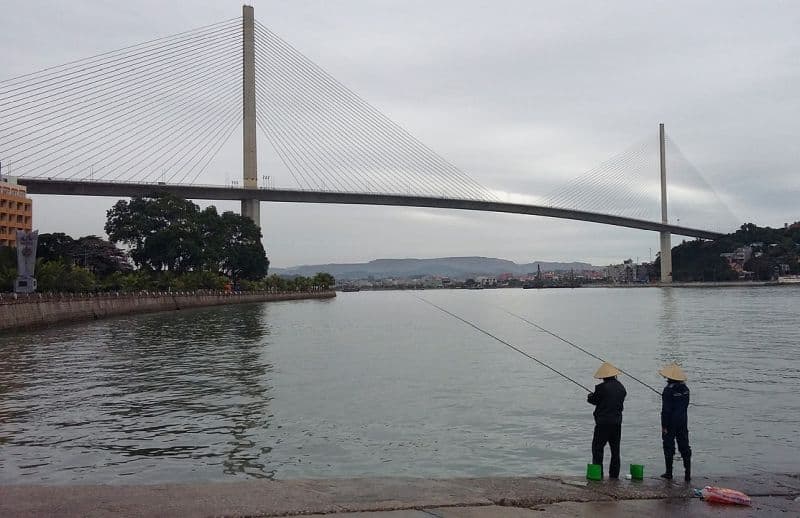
{"x": 252, "y": 210}
{"x": 666, "y": 257}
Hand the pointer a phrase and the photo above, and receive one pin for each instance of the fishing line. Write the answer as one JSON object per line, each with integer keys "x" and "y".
{"x": 576, "y": 346}
{"x": 487, "y": 333}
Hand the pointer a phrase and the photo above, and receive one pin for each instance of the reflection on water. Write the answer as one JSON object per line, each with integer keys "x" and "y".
{"x": 378, "y": 384}
{"x": 132, "y": 392}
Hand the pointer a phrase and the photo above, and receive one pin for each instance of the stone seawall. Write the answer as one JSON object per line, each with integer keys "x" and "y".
{"x": 44, "y": 310}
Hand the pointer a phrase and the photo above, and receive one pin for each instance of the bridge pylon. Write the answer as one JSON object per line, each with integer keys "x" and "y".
{"x": 665, "y": 240}
{"x": 250, "y": 207}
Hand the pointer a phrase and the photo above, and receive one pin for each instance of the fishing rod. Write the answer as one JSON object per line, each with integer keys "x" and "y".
{"x": 576, "y": 346}
{"x": 487, "y": 333}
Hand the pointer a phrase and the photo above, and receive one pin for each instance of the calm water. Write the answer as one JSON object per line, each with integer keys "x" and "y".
{"x": 382, "y": 384}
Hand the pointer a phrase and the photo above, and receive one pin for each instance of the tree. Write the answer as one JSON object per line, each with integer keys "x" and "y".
{"x": 58, "y": 276}
{"x": 8, "y": 268}
{"x": 163, "y": 232}
{"x": 167, "y": 233}
{"x": 55, "y": 247}
{"x": 99, "y": 256}
{"x": 323, "y": 280}
{"x": 243, "y": 255}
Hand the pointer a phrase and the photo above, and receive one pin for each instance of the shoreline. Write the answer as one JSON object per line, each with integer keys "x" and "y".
{"x": 698, "y": 284}
{"x": 38, "y": 310}
{"x": 401, "y": 497}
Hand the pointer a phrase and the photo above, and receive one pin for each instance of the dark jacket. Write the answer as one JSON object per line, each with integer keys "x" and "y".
{"x": 608, "y": 397}
{"x": 674, "y": 404}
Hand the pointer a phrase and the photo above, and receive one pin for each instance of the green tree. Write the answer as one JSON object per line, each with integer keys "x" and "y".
{"x": 323, "y": 280}
{"x": 168, "y": 234}
{"x": 99, "y": 256}
{"x": 162, "y": 231}
{"x": 275, "y": 282}
{"x": 8, "y": 268}
{"x": 58, "y": 276}
{"x": 243, "y": 255}
{"x": 55, "y": 247}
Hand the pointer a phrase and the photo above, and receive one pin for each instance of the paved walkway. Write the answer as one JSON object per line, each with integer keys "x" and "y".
{"x": 546, "y": 496}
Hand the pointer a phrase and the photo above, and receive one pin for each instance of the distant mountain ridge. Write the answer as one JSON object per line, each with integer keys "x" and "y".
{"x": 454, "y": 267}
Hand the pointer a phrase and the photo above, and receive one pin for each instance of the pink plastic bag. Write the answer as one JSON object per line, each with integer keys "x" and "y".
{"x": 723, "y": 495}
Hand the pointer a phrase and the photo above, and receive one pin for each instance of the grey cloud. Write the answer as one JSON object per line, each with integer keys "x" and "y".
{"x": 523, "y": 96}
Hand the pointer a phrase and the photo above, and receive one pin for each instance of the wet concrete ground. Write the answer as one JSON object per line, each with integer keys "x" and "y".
{"x": 546, "y": 496}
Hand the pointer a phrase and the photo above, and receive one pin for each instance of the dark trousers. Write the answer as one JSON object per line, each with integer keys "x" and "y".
{"x": 611, "y": 434}
{"x": 679, "y": 434}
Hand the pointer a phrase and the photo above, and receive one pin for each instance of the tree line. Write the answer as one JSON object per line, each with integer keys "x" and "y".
{"x": 778, "y": 252}
{"x": 171, "y": 244}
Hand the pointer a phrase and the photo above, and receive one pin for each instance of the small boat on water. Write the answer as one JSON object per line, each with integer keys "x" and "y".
{"x": 350, "y": 289}
{"x": 789, "y": 279}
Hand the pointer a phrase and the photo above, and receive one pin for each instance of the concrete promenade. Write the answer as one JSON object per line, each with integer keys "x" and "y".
{"x": 543, "y": 496}
{"x": 42, "y": 310}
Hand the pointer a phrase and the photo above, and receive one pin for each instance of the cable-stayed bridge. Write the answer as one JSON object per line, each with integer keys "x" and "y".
{"x": 155, "y": 117}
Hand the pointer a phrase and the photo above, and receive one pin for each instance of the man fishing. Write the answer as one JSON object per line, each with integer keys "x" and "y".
{"x": 608, "y": 397}
{"x": 674, "y": 420}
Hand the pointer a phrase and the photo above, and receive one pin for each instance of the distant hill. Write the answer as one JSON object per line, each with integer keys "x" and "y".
{"x": 454, "y": 267}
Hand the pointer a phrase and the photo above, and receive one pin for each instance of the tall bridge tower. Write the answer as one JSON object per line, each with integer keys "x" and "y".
{"x": 665, "y": 237}
{"x": 250, "y": 207}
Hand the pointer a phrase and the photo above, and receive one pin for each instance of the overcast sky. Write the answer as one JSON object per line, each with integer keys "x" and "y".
{"x": 521, "y": 95}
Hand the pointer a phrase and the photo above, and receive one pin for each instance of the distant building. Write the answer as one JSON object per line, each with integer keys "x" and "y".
{"x": 628, "y": 272}
{"x": 743, "y": 254}
{"x": 16, "y": 212}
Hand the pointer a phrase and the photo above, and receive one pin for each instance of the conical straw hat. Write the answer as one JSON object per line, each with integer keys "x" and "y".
{"x": 606, "y": 371}
{"x": 673, "y": 372}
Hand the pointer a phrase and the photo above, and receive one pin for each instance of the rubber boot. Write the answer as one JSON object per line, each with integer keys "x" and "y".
{"x": 668, "y": 462}
{"x": 687, "y": 466}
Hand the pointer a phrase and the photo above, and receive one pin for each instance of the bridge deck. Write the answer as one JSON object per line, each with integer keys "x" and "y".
{"x": 199, "y": 192}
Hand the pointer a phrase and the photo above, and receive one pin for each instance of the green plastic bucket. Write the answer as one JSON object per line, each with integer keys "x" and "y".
{"x": 594, "y": 472}
{"x": 637, "y": 471}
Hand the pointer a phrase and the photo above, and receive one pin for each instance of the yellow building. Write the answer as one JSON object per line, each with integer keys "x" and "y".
{"x": 16, "y": 212}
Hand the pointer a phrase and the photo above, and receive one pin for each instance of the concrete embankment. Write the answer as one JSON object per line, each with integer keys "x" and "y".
{"x": 772, "y": 494}
{"x": 44, "y": 310}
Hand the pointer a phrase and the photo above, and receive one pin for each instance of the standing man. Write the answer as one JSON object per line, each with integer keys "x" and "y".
{"x": 608, "y": 397}
{"x": 674, "y": 419}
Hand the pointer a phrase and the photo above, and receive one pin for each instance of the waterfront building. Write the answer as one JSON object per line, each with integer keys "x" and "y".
{"x": 16, "y": 212}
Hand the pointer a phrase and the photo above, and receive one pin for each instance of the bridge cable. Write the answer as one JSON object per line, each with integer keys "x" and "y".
{"x": 195, "y": 136}
{"x": 100, "y": 125}
{"x": 125, "y": 114}
{"x": 206, "y": 159}
{"x": 582, "y": 194}
{"x": 347, "y": 97}
{"x": 174, "y": 113}
{"x": 134, "y": 103}
{"x": 88, "y": 59}
{"x": 304, "y": 135}
{"x": 307, "y": 64}
{"x": 139, "y": 143}
{"x": 303, "y": 87}
{"x": 360, "y": 158}
{"x": 158, "y": 62}
{"x": 338, "y": 107}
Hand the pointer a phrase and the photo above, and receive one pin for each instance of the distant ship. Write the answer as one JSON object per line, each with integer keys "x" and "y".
{"x": 349, "y": 289}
